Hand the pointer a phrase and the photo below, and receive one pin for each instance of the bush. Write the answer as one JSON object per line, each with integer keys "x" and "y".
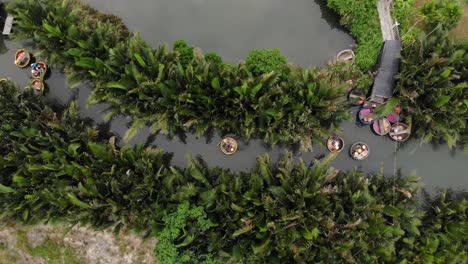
{"x": 55, "y": 167}
{"x": 175, "y": 91}
{"x": 362, "y": 19}
{"x": 265, "y": 61}
{"x": 185, "y": 52}
{"x": 446, "y": 13}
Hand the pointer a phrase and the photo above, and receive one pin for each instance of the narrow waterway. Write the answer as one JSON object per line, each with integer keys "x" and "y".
{"x": 307, "y": 35}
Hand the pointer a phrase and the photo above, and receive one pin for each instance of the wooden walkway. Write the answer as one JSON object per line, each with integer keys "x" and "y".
{"x": 386, "y": 21}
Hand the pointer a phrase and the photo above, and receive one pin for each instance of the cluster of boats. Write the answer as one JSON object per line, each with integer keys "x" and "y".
{"x": 38, "y": 70}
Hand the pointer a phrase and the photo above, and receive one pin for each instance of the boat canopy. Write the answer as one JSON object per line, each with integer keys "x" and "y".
{"x": 388, "y": 67}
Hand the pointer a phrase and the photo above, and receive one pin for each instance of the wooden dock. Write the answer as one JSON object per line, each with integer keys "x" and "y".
{"x": 386, "y": 21}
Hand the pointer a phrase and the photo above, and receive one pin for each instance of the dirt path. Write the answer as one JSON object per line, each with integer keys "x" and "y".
{"x": 52, "y": 244}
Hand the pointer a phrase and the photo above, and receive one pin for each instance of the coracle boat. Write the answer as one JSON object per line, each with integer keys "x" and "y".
{"x": 228, "y": 145}
{"x": 400, "y": 132}
{"x": 359, "y": 151}
{"x": 356, "y": 97}
{"x": 365, "y": 116}
{"x": 393, "y": 117}
{"x": 381, "y": 126}
{"x": 38, "y": 69}
{"x": 335, "y": 144}
{"x": 345, "y": 55}
{"x": 37, "y": 86}
{"x": 22, "y": 58}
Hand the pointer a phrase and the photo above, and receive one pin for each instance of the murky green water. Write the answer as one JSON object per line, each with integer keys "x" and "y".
{"x": 307, "y": 35}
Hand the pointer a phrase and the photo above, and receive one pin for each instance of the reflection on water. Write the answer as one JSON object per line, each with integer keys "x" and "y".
{"x": 438, "y": 166}
{"x": 234, "y": 28}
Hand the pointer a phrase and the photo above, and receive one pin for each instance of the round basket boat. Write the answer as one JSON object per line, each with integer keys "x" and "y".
{"x": 37, "y": 86}
{"x": 3, "y": 79}
{"x": 356, "y": 97}
{"x": 345, "y": 55}
{"x": 381, "y": 126}
{"x": 335, "y": 144}
{"x": 22, "y": 58}
{"x": 38, "y": 69}
{"x": 400, "y": 132}
{"x": 359, "y": 151}
{"x": 393, "y": 117}
{"x": 365, "y": 116}
{"x": 228, "y": 145}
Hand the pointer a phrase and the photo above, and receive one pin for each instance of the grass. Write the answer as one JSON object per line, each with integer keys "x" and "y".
{"x": 54, "y": 252}
{"x": 49, "y": 250}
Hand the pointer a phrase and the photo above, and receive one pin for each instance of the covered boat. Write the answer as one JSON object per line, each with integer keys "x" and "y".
{"x": 356, "y": 97}
{"x": 38, "y": 69}
{"x": 228, "y": 145}
{"x": 335, "y": 144}
{"x": 365, "y": 116}
{"x": 381, "y": 126}
{"x": 22, "y": 58}
{"x": 359, "y": 151}
{"x": 388, "y": 67}
{"x": 38, "y": 86}
{"x": 345, "y": 55}
{"x": 400, "y": 132}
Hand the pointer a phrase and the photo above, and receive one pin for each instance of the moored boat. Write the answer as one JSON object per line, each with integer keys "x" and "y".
{"x": 400, "y": 132}
{"x": 381, "y": 126}
{"x": 22, "y": 58}
{"x": 356, "y": 97}
{"x": 365, "y": 116}
{"x": 359, "y": 151}
{"x": 228, "y": 145}
{"x": 38, "y": 69}
{"x": 345, "y": 55}
{"x": 38, "y": 86}
{"x": 335, "y": 144}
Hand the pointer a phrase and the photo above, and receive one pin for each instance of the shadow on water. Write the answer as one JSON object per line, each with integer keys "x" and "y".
{"x": 329, "y": 15}
{"x": 439, "y": 166}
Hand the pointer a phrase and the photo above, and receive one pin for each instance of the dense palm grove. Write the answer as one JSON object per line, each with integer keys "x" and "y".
{"x": 55, "y": 167}
{"x": 180, "y": 90}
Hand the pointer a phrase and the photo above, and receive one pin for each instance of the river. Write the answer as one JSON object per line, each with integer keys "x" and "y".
{"x": 306, "y": 32}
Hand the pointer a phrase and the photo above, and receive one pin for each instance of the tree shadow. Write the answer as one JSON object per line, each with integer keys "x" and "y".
{"x": 330, "y": 16}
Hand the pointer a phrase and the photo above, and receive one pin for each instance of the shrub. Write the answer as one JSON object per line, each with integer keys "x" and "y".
{"x": 265, "y": 61}
{"x": 185, "y": 52}
{"x": 55, "y": 167}
{"x": 362, "y": 19}
{"x": 446, "y": 13}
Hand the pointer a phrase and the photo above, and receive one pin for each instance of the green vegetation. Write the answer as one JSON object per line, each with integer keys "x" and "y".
{"x": 362, "y": 19}
{"x": 261, "y": 62}
{"x": 432, "y": 83}
{"x": 175, "y": 91}
{"x": 55, "y": 166}
{"x": 52, "y": 251}
{"x": 446, "y": 13}
{"x": 432, "y": 87}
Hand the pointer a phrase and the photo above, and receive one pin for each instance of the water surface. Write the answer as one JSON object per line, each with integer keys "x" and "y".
{"x": 307, "y": 35}
{"x": 233, "y": 28}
